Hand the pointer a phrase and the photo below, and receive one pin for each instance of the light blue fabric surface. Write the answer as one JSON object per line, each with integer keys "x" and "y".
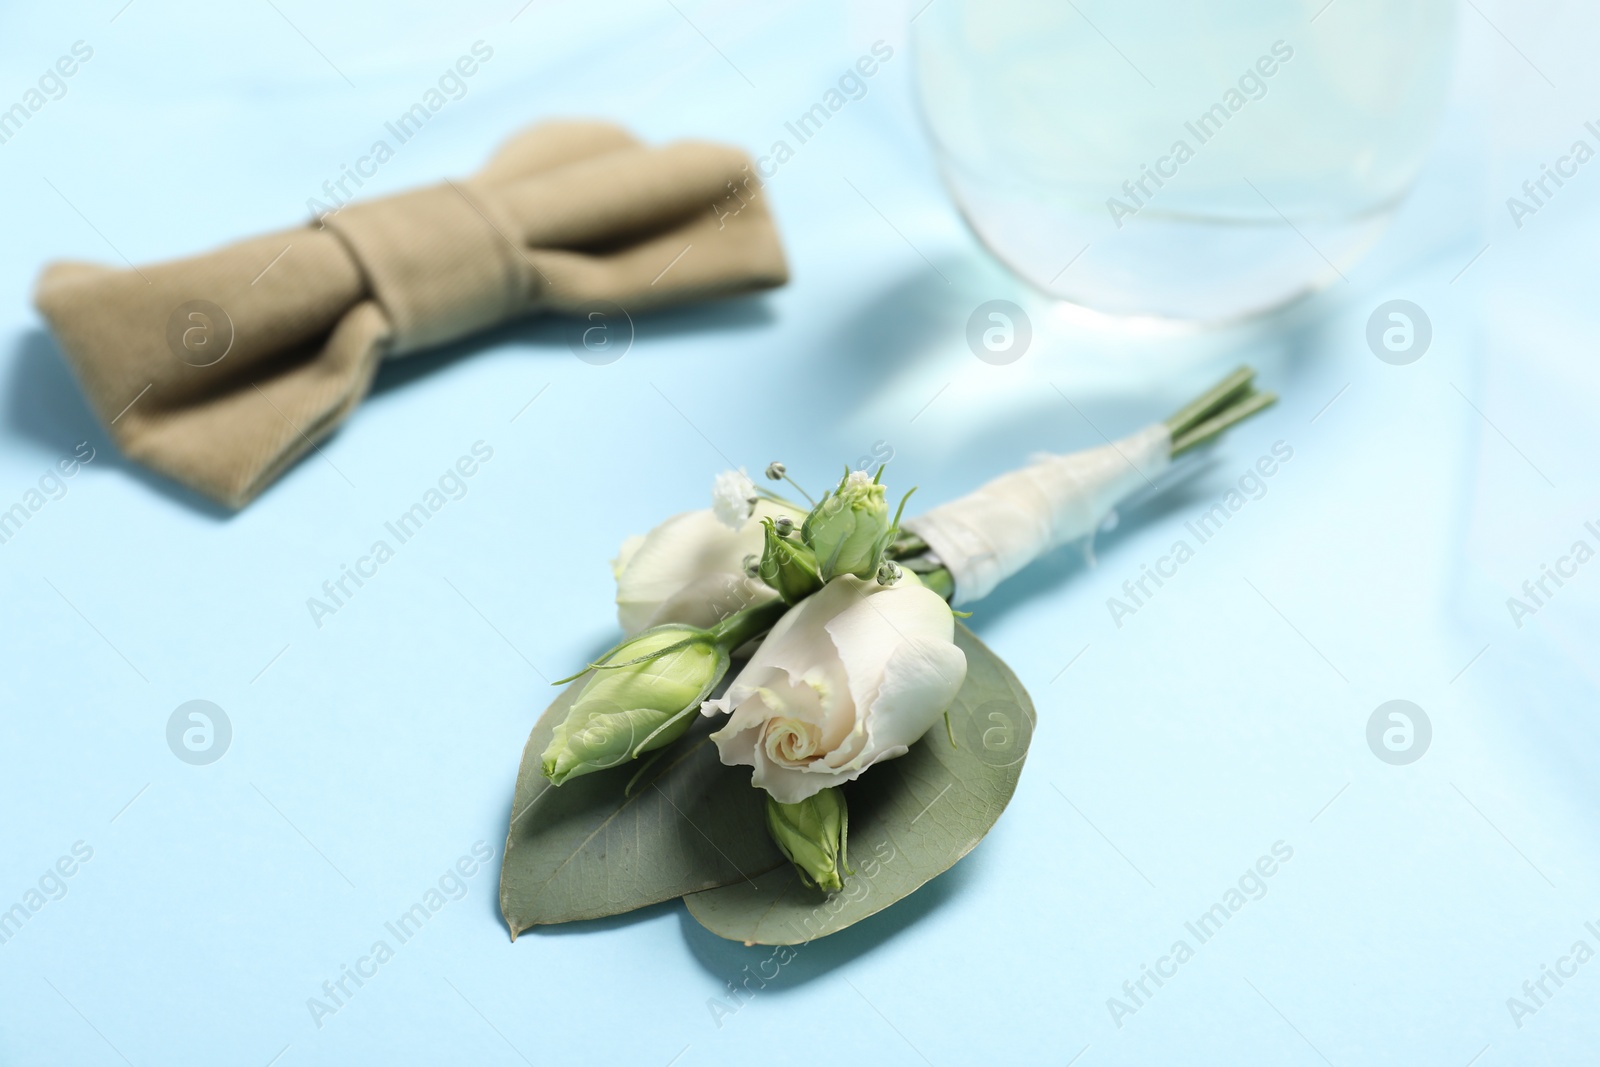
{"x": 1229, "y": 714}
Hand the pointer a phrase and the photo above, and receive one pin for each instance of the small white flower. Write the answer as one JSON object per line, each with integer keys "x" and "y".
{"x": 854, "y": 674}
{"x": 858, "y": 480}
{"x": 733, "y": 498}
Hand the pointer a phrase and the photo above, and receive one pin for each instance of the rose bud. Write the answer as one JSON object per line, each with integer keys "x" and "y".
{"x": 643, "y": 694}
{"x": 788, "y": 566}
{"x": 850, "y": 528}
{"x": 812, "y": 834}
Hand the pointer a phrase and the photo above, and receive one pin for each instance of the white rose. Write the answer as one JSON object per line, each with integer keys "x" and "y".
{"x": 854, "y": 674}
{"x": 690, "y": 569}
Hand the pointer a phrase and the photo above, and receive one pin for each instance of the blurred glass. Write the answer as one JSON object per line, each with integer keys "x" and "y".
{"x": 1191, "y": 160}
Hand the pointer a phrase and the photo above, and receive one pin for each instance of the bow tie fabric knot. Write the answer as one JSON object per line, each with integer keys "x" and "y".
{"x": 222, "y": 370}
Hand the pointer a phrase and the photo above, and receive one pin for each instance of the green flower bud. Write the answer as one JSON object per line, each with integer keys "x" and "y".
{"x": 788, "y": 566}
{"x": 624, "y": 711}
{"x": 644, "y": 693}
{"x": 812, "y": 834}
{"x": 850, "y": 529}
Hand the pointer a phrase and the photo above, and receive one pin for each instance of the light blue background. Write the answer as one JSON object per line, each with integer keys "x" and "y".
{"x": 369, "y": 754}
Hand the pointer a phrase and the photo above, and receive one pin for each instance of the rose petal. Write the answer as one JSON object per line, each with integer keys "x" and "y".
{"x": 920, "y": 682}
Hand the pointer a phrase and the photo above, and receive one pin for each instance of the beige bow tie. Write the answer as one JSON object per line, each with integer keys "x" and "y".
{"x": 221, "y": 370}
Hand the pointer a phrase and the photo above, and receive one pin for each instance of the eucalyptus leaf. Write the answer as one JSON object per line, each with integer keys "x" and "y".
{"x": 589, "y": 849}
{"x": 911, "y": 818}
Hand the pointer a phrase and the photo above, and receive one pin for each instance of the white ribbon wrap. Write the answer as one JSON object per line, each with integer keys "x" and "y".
{"x": 987, "y": 536}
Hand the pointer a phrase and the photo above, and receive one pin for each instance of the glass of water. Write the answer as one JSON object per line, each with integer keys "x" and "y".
{"x": 1181, "y": 161}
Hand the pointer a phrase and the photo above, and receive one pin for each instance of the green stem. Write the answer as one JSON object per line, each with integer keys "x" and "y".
{"x": 907, "y": 545}
{"x": 940, "y": 581}
{"x": 750, "y": 623}
{"x": 767, "y": 494}
{"x": 1209, "y": 429}
{"x": 1212, "y": 401}
{"x": 799, "y": 490}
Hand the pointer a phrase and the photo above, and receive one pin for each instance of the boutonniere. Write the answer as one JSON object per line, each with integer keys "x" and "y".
{"x": 865, "y": 741}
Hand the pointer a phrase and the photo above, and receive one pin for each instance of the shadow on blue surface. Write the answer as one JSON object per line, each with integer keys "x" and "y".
{"x": 894, "y": 326}
{"x": 43, "y": 404}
